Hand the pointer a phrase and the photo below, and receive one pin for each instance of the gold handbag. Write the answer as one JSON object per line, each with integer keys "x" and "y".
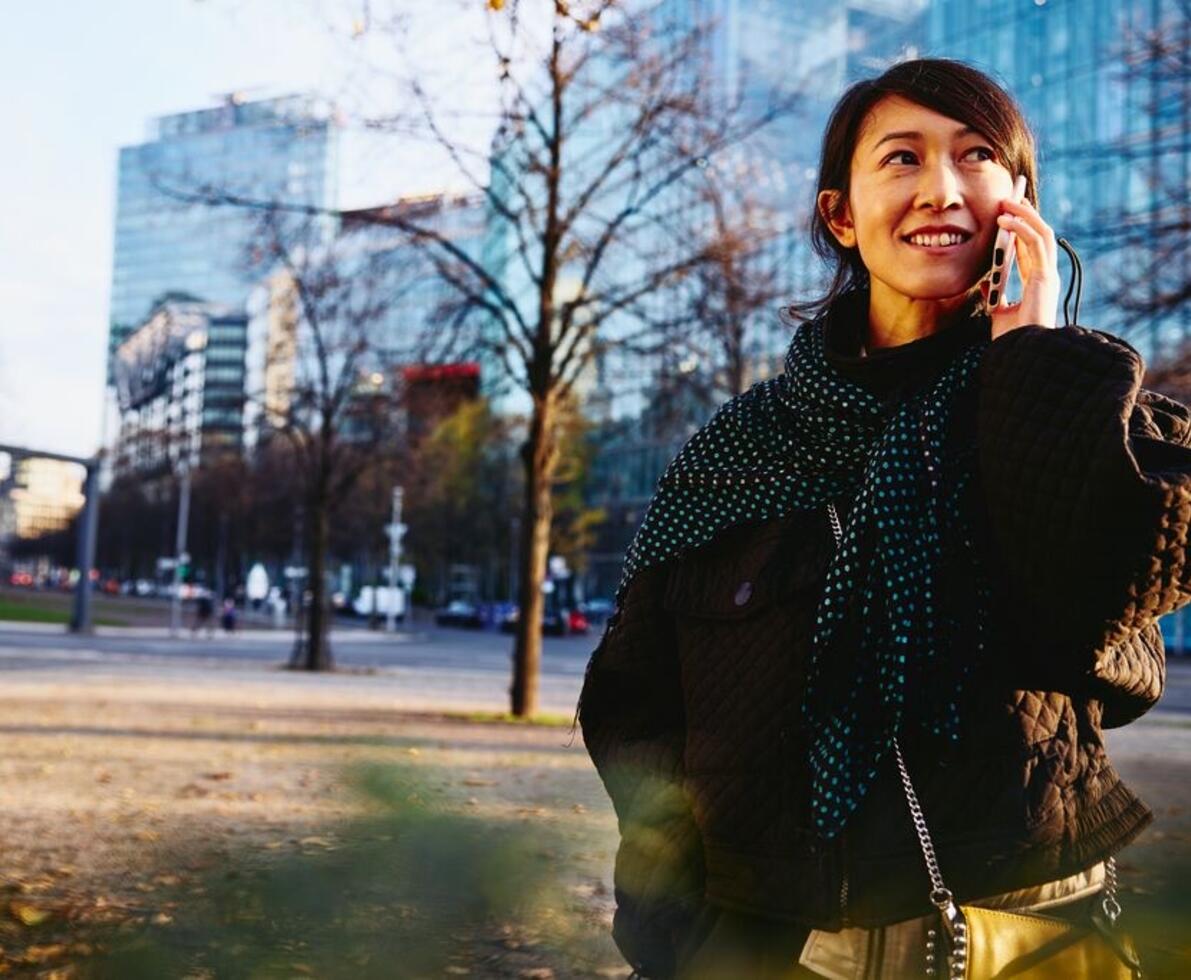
{"x": 975, "y": 943}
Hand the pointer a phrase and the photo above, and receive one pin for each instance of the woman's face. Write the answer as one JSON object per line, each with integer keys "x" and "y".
{"x": 914, "y": 170}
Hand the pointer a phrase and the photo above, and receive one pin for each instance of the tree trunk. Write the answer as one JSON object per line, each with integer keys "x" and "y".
{"x": 539, "y": 454}
{"x": 317, "y": 652}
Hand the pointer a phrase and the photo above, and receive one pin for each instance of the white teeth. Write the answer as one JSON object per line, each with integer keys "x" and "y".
{"x": 934, "y": 241}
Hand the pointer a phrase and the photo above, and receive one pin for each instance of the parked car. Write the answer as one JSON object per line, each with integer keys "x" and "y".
{"x": 138, "y": 587}
{"x": 555, "y": 622}
{"x": 385, "y": 597}
{"x": 459, "y": 613}
{"x": 577, "y": 623}
{"x": 597, "y": 611}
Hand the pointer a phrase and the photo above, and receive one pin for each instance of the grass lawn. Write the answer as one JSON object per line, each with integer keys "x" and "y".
{"x": 16, "y": 610}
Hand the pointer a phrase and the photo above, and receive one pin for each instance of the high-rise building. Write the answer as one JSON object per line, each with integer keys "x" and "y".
{"x": 180, "y": 386}
{"x": 755, "y": 49}
{"x": 1110, "y": 103}
{"x": 40, "y": 496}
{"x": 379, "y": 298}
{"x": 170, "y": 237}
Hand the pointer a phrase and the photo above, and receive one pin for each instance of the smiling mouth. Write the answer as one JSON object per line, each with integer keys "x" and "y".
{"x": 937, "y": 243}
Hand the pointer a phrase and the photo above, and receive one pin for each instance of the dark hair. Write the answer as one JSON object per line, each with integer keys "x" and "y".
{"x": 952, "y": 88}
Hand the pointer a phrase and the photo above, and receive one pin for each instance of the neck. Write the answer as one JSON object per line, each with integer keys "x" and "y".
{"x": 895, "y": 319}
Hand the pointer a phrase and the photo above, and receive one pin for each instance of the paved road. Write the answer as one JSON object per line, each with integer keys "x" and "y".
{"x": 426, "y": 666}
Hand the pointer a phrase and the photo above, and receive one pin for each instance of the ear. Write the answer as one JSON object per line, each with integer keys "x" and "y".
{"x": 841, "y": 223}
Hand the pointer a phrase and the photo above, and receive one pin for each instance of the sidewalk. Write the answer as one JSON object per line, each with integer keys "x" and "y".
{"x": 264, "y": 635}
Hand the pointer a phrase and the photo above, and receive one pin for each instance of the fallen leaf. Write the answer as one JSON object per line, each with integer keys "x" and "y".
{"x": 162, "y": 919}
{"x": 316, "y": 842}
{"x": 39, "y": 954}
{"x": 29, "y": 915}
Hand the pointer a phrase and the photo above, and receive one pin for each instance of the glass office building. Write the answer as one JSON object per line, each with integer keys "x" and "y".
{"x": 165, "y": 242}
{"x": 179, "y": 379}
{"x": 1112, "y": 121}
{"x": 754, "y": 49}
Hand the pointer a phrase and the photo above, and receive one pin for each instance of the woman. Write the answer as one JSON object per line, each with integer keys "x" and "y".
{"x": 944, "y": 527}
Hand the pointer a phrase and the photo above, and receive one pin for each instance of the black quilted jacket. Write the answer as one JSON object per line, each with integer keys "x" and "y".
{"x": 691, "y": 705}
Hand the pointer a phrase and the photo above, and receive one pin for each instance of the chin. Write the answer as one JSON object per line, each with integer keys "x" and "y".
{"x": 939, "y": 293}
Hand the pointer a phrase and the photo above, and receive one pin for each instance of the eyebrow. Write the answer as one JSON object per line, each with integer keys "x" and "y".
{"x": 912, "y": 135}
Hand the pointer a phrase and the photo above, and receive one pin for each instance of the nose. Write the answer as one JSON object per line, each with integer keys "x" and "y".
{"x": 938, "y": 188}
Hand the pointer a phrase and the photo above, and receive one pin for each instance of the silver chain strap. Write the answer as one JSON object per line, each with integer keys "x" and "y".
{"x": 940, "y": 895}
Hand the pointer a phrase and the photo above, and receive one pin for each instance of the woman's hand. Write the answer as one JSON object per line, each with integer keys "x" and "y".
{"x": 1037, "y": 268}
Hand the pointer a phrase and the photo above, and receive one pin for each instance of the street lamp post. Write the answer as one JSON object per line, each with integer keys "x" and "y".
{"x": 80, "y": 621}
{"x": 181, "y": 558}
{"x": 395, "y": 531}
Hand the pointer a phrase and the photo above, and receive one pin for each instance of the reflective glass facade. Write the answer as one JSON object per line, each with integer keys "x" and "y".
{"x": 180, "y": 384}
{"x": 815, "y": 48}
{"x": 1112, "y": 125}
{"x": 275, "y": 149}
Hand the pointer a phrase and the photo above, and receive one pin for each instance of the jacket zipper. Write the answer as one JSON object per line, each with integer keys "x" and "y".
{"x": 843, "y": 888}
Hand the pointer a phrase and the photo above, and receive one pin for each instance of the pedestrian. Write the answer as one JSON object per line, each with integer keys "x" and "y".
{"x": 882, "y": 605}
{"x": 204, "y": 613}
{"x": 228, "y": 615}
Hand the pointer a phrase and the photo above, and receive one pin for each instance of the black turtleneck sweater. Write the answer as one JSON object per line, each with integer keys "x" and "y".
{"x": 891, "y": 373}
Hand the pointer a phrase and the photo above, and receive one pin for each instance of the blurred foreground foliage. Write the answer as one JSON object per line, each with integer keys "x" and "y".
{"x": 417, "y": 889}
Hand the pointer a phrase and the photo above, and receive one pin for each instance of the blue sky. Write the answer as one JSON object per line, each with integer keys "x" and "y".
{"x": 81, "y": 80}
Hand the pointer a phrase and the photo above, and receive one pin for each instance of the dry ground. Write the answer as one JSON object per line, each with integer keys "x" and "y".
{"x": 124, "y": 797}
{"x": 131, "y": 800}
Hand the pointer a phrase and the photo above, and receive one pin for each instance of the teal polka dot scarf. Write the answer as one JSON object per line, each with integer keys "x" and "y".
{"x": 902, "y": 618}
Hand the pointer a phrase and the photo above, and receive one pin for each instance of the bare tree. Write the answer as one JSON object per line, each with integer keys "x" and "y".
{"x": 729, "y": 301}
{"x": 606, "y": 122}
{"x": 1143, "y": 244}
{"x": 327, "y": 404}
{"x": 607, "y": 116}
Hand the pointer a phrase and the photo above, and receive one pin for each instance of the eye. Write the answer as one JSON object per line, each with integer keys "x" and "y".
{"x": 987, "y": 154}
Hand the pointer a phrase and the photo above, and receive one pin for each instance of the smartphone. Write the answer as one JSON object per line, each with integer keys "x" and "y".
{"x": 1004, "y": 250}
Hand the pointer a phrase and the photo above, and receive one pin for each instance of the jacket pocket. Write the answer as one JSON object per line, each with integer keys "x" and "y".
{"x": 748, "y": 569}
{"x": 743, "y": 617}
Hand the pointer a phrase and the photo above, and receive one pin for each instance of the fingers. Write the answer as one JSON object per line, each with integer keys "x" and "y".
{"x": 1034, "y": 234}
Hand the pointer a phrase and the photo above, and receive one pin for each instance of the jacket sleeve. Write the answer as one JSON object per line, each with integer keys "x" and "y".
{"x": 631, "y": 712}
{"x": 1087, "y": 482}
